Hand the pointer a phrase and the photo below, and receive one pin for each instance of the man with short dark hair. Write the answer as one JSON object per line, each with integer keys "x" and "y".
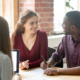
{"x": 68, "y": 48}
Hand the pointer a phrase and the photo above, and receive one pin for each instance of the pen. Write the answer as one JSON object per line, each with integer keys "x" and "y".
{"x": 44, "y": 60}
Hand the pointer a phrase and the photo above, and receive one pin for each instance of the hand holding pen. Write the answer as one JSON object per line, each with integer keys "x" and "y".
{"x": 44, "y": 64}
{"x": 44, "y": 60}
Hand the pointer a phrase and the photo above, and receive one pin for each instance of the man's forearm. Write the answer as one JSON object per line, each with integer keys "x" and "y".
{"x": 70, "y": 71}
{"x": 51, "y": 62}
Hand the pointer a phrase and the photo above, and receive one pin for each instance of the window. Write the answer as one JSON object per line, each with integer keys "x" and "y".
{"x": 0, "y": 7}
{"x": 9, "y": 12}
{"x": 59, "y": 11}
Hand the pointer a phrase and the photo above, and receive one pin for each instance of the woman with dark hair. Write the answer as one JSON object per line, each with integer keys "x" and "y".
{"x": 6, "y": 72}
{"x": 31, "y": 42}
{"x": 5, "y": 51}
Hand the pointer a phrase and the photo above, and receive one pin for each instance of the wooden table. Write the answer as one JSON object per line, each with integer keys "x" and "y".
{"x": 57, "y": 77}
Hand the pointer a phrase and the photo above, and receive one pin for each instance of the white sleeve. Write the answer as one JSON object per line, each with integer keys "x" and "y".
{"x": 6, "y": 72}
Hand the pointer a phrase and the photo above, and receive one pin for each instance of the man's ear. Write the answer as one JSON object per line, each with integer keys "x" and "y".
{"x": 73, "y": 27}
{"x": 23, "y": 25}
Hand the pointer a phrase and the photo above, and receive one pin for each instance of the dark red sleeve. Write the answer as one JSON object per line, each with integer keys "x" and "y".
{"x": 43, "y": 50}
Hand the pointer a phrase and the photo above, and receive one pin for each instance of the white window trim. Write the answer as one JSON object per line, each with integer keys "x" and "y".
{"x": 55, "y": 31}
{"x": 1, "y": 10}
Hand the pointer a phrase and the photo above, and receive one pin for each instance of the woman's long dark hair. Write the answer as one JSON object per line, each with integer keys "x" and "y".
{"x": 19, "y": 29}
{"x": 5, "y": 45}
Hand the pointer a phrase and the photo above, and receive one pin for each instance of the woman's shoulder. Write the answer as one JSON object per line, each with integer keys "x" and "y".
{"x": 41, "y": 32}
{"x": 3, "y": 56}
{"x": 42, "y": 35}
{"x": 16, "y": 36}
{"x": 5, "y": 62}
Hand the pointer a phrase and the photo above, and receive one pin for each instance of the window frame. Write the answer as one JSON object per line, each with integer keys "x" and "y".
{"x": 13, "y": 12}
{"x": 57, "y": 31}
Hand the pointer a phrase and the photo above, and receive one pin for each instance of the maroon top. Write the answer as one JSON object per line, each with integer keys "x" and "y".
{"x": 39, "y": 48}
{"x": 70, "y": 49}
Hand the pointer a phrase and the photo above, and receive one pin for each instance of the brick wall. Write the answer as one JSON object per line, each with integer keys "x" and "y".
{"x": 44, "y": 8}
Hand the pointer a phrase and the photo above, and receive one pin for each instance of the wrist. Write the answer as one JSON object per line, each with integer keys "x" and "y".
{"x": 17, "y": 74}
{"x": 49, "y": 65}
{"x": 21, "y": 66}
{"x": 51, "y": 61}
{"x": 58, "y": 71}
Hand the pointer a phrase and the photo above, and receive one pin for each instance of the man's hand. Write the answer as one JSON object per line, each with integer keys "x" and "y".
{"x": 43, "y": 65}
{"x": 50, "y": 71}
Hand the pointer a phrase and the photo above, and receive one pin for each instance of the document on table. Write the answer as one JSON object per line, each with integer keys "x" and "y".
{"x": 37, "y": 75}
{"x": 38, "y": 78}
{"x": 35, "y": 72}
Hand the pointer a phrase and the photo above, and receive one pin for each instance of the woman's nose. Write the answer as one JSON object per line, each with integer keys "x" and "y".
{"x": 35, "y": 25}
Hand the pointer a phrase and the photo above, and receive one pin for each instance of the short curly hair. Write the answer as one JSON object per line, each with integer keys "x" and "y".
{"x": 74, "y": 18}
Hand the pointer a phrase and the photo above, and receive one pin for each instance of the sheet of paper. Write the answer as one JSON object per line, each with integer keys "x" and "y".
{"x": 35, "y": 72}
{"x": 38, "y": 78}
{"x": 37, "y": 75}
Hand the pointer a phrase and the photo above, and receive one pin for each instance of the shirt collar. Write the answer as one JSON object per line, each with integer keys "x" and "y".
{"x": 78, "y": 40}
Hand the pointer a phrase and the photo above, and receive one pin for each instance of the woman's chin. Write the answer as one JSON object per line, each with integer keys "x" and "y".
{"x": 33, "y": 31}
